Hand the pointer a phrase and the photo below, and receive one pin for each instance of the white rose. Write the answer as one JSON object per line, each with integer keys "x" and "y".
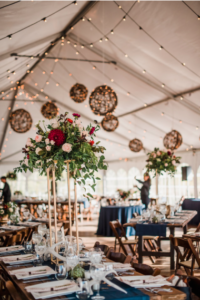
{"x": 27, "y": 149}
{"x": 80, "y": 128}
{"x": 67, "y": 147}
{"x": 77, "y": 122}
{"x": 38, "y": 138}
{"x": 28, "y": 142}
{"x": 173, "y": 162}
{"x": 52, "y": 142}
{"x": 158, "y": 159}
{"x": 48, "y": 148}
{"x": 26, "y": 161}
{"x": 47, "y": 141}
{"x": 55, "y": 124}
{"x": 10, "y": 209}
{"x": 150, "y": 163}
{"x": 38, "y": 150}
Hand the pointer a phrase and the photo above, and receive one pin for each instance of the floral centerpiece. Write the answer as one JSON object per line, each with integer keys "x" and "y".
{"x": 65, "y": 139}
{"x": 124, "y": 194}
{"x": 7, "y": 210}
{"x": 160, "y": 161}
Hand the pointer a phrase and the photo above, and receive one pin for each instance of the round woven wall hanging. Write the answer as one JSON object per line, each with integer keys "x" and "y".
{"x": 109, "y": 122}
{"x": 78, "y": 93}
{"x": 172, "y": 140}
{"x": 103, "y": 100}
{"x": 20, "y": 121}
{"x": 135, "y": 145}
{"x": 49, "y": 110}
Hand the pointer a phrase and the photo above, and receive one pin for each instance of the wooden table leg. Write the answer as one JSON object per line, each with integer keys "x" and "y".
{"x": 185, "y": 229}
{"x": 172, "y": 264}
{"x": 140, "y": 248}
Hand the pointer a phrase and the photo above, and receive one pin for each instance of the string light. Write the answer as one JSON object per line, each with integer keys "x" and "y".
{"x": 162, "y": 114}
{"x": 32, "y": 71}
{"x": 112, "y": 80}
{"x": 144, "y": 131}
{"x": 51, "y": 72}
{"x": 77, "y": 52}
{"x": 44, "y": 19}
{"x": 62, "y": 44}
{"x": 75, "y": 45}
{"x": 144, "y": 71}
{"x": 184, "y": 64}
{"x": 75, "y": 3}
{"x": 90, "y": 19}
{"x": 145, "y": 104}
{"x": 112, "y": 32}
{"x": 8, "y": 77}
{"x": 43, "y": 72}
{"x": 198, "y": 18}
{"x": 197, "y": 127}
{"x": 124, "y": 18}
{"x": 8, "y": 71}
{"x": 126, "y": 55}
{"x": 100, "y": 41}
{"x": 57, "y": 84}
{"x": 180, "y": 122}
{"x": 25, "y": 103}
{"x": 31, "y": 57}
{"x": 162, "y": 85}
{"x": 68, "y": 42}
{"x": 161, "y": 47}
{"x": 128, "y": 93}
{"x": 47, "y": 82}
{"x": 119, "y": 6}
{"x": 56, "y": 60}
{"x": 181, "y": 98}
{"x": 82, "y": 46}
{"x": 28, "y": 71}
{"x": 83, "y": 19}
{"x": 10, "y": 36}
{"x": 106, "y": 39}
{"x": 41, "y": 90}
{"x": 2, "y": 119}
{"x": 91, "y": 45}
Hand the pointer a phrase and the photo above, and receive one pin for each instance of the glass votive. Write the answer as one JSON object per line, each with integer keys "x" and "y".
{"x": 28, "y": 246}
{"x": 61, "y": 271}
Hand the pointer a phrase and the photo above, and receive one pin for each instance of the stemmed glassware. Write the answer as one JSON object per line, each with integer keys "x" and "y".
{"x": 40, "y": 211}
{"x": 42, "y": 229}
{"x": 95, "y": 256}
{"x": 26, "y": 213}
{"x": 36, "y": 238}
{"x": 97, "y": 273}
{"x": 40, "y": 249}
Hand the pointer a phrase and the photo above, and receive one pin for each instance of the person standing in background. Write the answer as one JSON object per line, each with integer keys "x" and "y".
{"x": 145, "y": 189}
{"x": 6, "y": 195}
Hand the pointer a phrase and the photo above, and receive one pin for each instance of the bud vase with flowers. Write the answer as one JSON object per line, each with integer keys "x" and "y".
{"x": 6, "y": 211}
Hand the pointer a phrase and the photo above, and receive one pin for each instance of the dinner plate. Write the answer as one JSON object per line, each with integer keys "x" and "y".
{"x": 128, "y": 279}
{"x": 49, "y": 271}
{"x": 22, "y": 260}
{"x": 51, "y": 294}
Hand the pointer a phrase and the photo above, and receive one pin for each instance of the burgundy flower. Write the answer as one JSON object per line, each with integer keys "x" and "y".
{"x": 91, "y": 143}
{"x": 169, "y": 152}
{"x": 92, "y": 130}
{"x": 57, "y": 136}
{"x": 76, "y": 115}
{"x": 5, "y": 206}
{"x": 27, "y": 156}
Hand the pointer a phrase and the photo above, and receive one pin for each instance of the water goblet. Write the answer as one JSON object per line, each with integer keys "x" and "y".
{"x": 84, "y": 293}
{"x": 26, "y": 213}
{"x": 39, "y": 211}
{"x": 61, "y": 271}
{"x": 40, "y": 249}
{"x": 28, "y": 246}
{"x": 97, "y": 273}
{"x": 72, "y": 261}
{"x": 42, "y": 229}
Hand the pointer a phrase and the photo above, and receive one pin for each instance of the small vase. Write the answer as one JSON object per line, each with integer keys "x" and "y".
{"x": 4, "y": 219}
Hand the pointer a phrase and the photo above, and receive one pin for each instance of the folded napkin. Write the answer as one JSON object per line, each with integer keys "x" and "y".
{"x": 154, "y": 279}
{"x": 12, "y": 248}
{"x": 50, "y": 288}
{"x": 25, "y": 273}
{"x": 20, "y": 258}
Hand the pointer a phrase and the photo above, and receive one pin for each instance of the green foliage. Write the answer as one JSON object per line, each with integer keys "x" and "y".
{"x": 84, "y": 161}
{"x": 77, "y": 272}
{"x": 160, "y": 161}
{"x": 7, "y": 209}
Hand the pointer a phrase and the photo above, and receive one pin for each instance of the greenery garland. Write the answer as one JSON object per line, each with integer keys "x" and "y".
{"x": 11, "y": 176}
{"x": 65, "y": 139}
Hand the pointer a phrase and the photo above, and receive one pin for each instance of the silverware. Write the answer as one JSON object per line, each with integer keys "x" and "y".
{"x": 21, "y": 265}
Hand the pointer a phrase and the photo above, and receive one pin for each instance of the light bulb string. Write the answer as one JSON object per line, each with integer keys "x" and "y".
{"x": 191, "y": 9}
{"x": 10, "y": 4}
{"x": 153, "y": 39}
{"x": 41, "y": 20}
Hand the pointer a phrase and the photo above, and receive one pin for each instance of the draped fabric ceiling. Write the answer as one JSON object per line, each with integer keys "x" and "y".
{"x": 142, "y": 75}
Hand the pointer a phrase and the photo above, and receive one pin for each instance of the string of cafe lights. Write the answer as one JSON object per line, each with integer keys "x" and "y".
{"x": 198, "y": 16}
{"x": 41, "y": 20}
{"x": 10, "y": 4}
{"x": 159, "y": 44}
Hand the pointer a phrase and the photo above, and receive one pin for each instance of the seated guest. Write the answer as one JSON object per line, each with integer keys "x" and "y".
{"x": 6, "y": 195}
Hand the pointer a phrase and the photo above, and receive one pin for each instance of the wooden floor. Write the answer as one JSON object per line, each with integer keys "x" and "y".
{"x": 87, "y": 230}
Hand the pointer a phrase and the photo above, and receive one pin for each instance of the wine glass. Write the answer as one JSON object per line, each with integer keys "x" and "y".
{"x": 39, "y": 211}
{"x": 36, "y": 238}
{"x": 61, "y": 270}
{"x": 84, "y": 293}
{"x": 40, "y": 249}
{"x": 95, "y": 256}
{"x": 26, "y": 213}
{"x": 97, "y": 273}
{"x": 42, "y": 229}
{"x": 72, "y": 261}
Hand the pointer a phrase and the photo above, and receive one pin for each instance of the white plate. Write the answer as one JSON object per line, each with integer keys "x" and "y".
{"x": 11, "y": 249}
{"x": 21, "y": 261}
{"x": 127, "y": 279}
{"x": 51, "y": 294}
{"x": 49, "y": 271}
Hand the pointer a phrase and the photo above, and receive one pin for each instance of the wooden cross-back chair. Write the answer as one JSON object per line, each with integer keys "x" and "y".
{"x": 7, "y": 289}
{"x": 122, "y": 239}
{"x": 145, "y": 269}
{"x": 118, "y": 257}
{"x": 103, "y": 248}
{"x": 187, "y": 257}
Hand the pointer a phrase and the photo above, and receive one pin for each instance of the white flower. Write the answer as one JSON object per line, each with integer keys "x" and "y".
{"x": 84, "y": 132}
{"x": 80, "y": 128}
{"x": 52, "y": 142}
{"x": 173, "y": 162}
{"x": 77, "y": 122}
{"x": 38, "y": 150}
{"x": 158, "y": 159}
{"x": 72, "y": 133}
{"x": 67, "y": 147}
{"x": 1, "y": 212}
{"x": 10, "y": 209}
{"x": 158, "y": 153}
{"x": 26, "y": 161}
{"x": 50, "y": 159}
{"x": 27, "y": 149}
{"x": 166, "y": 164}
{"x": 48, "y": 148}
{"x": 55, "y": 124}
{"x": 47, "y": 141}
{"x": 150, "y": 163}
{"x": 28, "y": 142}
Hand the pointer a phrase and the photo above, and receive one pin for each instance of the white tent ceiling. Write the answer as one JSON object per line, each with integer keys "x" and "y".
{"x": 171, "y": 25}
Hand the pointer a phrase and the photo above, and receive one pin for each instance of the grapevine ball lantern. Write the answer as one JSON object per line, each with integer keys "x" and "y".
{"x": 103, "y": 100}
{"x": 172, "y": 140}
{"x": 49, "y": 110}
{"x": 78, "y": 93}
{"x": 135, "y": 145}
{"x": 110, "y": 122}
{"x": 20, "y": 121}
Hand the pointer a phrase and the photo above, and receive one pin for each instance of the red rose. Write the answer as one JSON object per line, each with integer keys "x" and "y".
{"x": 57, "y": 136}
{"x": 91, "y": 143}
{"x": 70, "y": 121}
{"x": 92, "y": 130}
{"x": 28, "y": 156}
{"x": 174, "y": 156}
{"x": 5, "y": 206}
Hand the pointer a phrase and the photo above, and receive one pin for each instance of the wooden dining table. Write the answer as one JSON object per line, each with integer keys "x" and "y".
{"x": 172, "y": 226}
{"x": 22, "y": 284}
